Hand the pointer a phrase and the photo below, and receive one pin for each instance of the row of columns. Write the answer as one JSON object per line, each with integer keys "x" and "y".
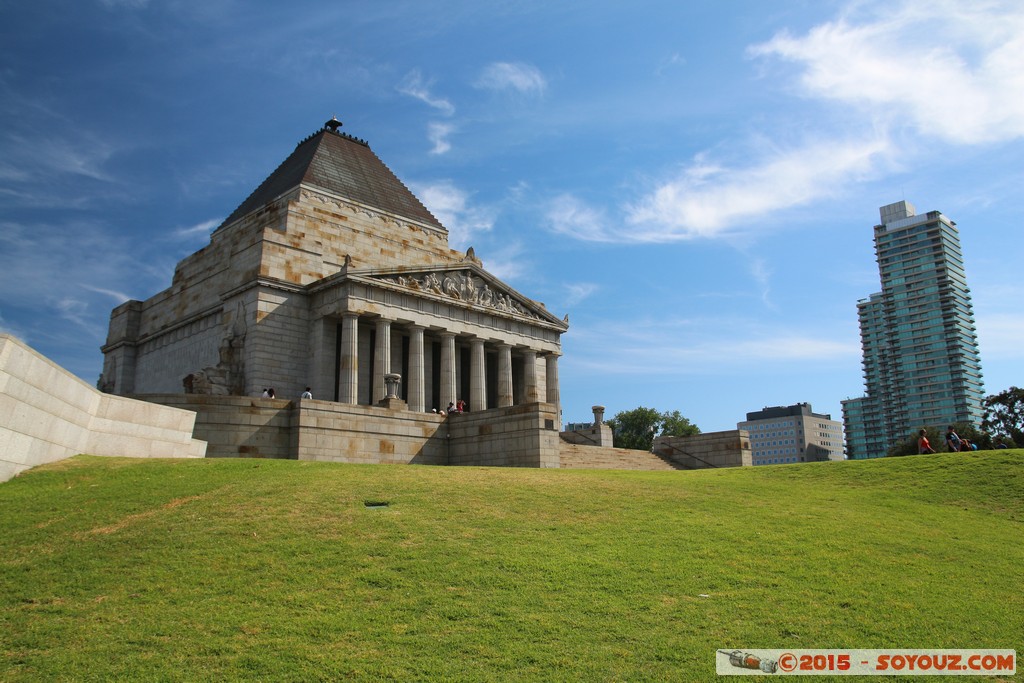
{"x": 348, "y": 380}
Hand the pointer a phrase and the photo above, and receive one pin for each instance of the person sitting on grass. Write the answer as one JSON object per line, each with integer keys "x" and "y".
{"x": 922, "y": 443}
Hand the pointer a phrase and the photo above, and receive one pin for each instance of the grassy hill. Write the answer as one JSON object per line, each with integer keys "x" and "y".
{"x": 278, "y": 570}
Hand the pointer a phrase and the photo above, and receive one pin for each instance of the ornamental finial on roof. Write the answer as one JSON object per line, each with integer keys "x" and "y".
{"x": 333, "y": 125}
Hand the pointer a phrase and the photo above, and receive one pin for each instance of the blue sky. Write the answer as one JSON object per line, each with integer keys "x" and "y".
{"x": 694, "y": 183}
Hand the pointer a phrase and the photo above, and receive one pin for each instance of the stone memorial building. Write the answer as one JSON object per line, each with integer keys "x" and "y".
{"x": 333, "y": 275}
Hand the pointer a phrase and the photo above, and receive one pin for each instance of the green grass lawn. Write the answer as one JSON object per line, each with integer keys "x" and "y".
{"x": 278, "y": 571}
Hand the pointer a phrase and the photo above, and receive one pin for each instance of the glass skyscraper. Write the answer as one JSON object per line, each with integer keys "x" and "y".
{"x": 921, "y": 361}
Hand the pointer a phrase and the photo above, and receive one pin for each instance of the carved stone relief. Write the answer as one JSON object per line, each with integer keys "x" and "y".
{"x": 462, "y": 286}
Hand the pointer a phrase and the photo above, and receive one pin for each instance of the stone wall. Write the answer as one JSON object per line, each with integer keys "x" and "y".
{"x": 48, "y": 414}
{"x": 519, "y": 436}
{"x": 601, "y": 435}
{"x": 714, "y": 449}
{"x": 237, "y": 426}
{"x": 310, "y": 429}
{"x": 339, "y": 432}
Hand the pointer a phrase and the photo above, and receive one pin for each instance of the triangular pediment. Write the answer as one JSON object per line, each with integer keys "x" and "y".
{"x": 466, "y": 283}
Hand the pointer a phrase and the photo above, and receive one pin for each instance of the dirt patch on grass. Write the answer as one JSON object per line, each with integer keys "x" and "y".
{"x": 139, "y": 516}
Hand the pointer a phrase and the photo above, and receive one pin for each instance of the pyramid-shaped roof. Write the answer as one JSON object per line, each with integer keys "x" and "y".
{"x": 344, "y": 166}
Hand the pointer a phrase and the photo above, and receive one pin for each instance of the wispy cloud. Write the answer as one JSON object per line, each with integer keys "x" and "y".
{"x": 415, "y": 86}
{"x": 684, "y": 347}
{"x": 937, "y": 70}
{"x": 523, "y": 78}
{"x": 950, "y": 69}
{"x": 507, "y": 262}
{"x": 451, "y": 205}
{"x": 438, "y": 133}
{"x": 39, "y": 158}
{"x": 708, "y": 200}
{"x": 570, "y": 215}
{"x": 118, "y": 297}
{"x": 577, "y": 292}
{"x": 42, "y": 266}
{"x": 672, "y": 61}
{"x": 197, "y": 231}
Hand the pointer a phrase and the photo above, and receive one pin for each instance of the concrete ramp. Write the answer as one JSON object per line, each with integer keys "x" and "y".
{"x": 48, "y": 414}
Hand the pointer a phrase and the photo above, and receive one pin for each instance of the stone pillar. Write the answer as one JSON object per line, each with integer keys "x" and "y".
{"x": 381, "y": 359}
{"x": 553, "y": 396}
{"x": 348, "y": 374}
{"x": 323, "y": 356}
{"x": 447, "y": 369}
{"x": 598, "y": 415}
{"x": 504, "y": 375}
{"x": 530, "y": 392}
{"x": 478, "y": 376}
{"x": 416, "y": 386}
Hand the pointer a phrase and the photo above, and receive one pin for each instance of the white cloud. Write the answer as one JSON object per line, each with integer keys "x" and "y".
{"x": 516, "y": 76}
{"x": 413, "y": 85}
{"x": 119, "y": 297}
{"x": 577, "y": 292}
{"x": 451, "y": 205}
{"x": 505, "y": 263}
{"x": 707, "y": 200}
{"x": 197, "y": 231}
{"x": 571, "y": 216}
{"x": 438, "y": 134}
{"x": 949, "y": 69}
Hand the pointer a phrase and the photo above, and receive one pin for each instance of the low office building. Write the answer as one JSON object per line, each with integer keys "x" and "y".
{"x": 789, "y": 434}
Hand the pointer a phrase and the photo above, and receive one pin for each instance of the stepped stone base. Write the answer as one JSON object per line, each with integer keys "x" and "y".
{"x": 575, "y": 456}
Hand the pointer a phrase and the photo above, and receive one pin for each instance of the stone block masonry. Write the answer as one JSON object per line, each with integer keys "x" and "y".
{"x": 48, "y": 414}
{"x": 715, "y": 449}
{"x": 310, "y": 429}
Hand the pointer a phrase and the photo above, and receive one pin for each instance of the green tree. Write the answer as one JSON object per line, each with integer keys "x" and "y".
{"x": 1004, "y": 416}
{"x": 637, "y": 428}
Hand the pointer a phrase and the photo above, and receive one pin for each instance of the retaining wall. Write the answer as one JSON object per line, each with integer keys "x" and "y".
{"x": 48, "y": 414}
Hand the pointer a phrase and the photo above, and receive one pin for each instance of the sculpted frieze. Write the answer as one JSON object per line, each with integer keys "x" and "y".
{"x": 462, "y": 286}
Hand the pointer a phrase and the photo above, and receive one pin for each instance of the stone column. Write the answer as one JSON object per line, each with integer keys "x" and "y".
{"x": 553, "y": 396}
{"x": 504, "y": 375}
{"x": 324, "y": 356}
{"x": 416, "y": 386}
{"x": 530, "y": 393}
{"x": 348, "y": 374}
{"x": 447, "y": 369}
{"x": 381, "y": 359}
{"x": 478, "y": 376}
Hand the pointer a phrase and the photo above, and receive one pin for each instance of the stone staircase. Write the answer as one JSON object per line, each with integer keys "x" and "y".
{"x": 576, "y": 456}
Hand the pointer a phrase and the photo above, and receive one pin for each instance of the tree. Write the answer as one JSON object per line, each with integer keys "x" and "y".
{"x": 1004, "y": 416}
{"x": 637, "y": 428}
